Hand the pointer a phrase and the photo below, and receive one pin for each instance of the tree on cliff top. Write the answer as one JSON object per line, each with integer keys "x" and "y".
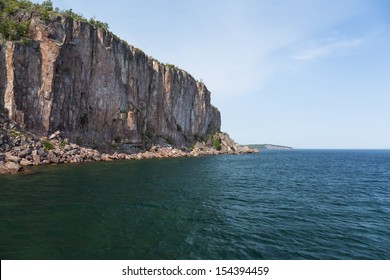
{"x": 47, "y": 5}
{"x": 12, "y": 28}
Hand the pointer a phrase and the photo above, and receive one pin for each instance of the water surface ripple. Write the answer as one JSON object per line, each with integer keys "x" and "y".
{"x": 273, "y": 205}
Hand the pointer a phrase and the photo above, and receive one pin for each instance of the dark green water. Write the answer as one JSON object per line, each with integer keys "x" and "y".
{"x": 272, "y": 205}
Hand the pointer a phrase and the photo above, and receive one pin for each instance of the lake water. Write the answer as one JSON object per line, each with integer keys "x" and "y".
{"x": 298, "y": 204}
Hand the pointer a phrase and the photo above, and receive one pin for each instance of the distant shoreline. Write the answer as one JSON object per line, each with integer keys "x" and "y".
{"x": 270, "y": 147}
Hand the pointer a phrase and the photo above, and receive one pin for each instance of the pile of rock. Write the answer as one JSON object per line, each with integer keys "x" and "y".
{"x": 154, "y": 152}
{"x": 19, "y": 149}
{"x": 220, "y": 144}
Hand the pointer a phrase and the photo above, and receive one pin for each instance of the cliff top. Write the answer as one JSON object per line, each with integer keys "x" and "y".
{"x": 16, "y": 15}
{"x": 14, "y": 27}
{"x": 88, "y": 83}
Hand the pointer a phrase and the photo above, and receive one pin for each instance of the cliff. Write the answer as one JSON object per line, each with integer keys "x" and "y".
{"x": 94, "y": 88}
{"x": 72, "y": 92}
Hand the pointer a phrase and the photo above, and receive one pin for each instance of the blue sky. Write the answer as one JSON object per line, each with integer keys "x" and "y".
{"x": 302, "y": 73}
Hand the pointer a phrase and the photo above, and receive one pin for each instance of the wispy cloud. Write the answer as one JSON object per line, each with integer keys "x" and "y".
{"x": 328, "y": 47}
{"x": 236, "y": 47}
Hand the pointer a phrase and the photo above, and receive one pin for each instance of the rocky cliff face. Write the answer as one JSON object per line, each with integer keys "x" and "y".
{"x": 94, "y": 87}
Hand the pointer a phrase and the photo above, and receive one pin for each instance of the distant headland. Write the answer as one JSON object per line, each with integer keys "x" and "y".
{"x": 269, "y": 147}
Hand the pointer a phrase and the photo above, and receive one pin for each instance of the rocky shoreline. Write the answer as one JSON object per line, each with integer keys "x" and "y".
{"x": 20, "y": 149}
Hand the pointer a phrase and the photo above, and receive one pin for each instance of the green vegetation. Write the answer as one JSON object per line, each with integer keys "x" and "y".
{"x": 73, "y": 15}
{"x": 13, "y": 133}
{"x": 13, "y": 27}
{"x": 117, "y": 139}
{"x": 46, "y": 8}
{"x": 47, "y": 145}
{"x": 98, "y": 23}
{"x": 12, "y": 30}
{"x": 153, "y": 59}
{"x": 217, "y": 144}
{"x": 174, "y": 67}
{"x": 47, "y": 5}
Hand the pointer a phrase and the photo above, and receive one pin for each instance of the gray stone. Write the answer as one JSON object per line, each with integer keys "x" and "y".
{"x": 42, "y": 152}
{"x": 24, "y": 153}
{"x": 52, "y": 157}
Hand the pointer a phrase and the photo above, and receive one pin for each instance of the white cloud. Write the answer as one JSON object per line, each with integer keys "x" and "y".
{"x": 328, "y": 48}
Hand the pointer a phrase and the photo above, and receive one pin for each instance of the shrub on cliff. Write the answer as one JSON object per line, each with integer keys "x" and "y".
{"x": 47, "y": 5}
{"x": 70, "y": 13}
{"x": 47, "y": 145}
{"x": 98, "y": 23}
{"x": 12, "y": 6}
{"x": 217, "y": 144}
{"x": 172, "y": 66}
{"x": 12, "y": 28}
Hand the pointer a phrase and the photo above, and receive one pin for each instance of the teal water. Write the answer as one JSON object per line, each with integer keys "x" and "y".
{"x": 298, "y": 204}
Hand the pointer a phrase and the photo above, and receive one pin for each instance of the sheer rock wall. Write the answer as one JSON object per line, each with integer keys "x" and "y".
{"x": 92, "y": 86}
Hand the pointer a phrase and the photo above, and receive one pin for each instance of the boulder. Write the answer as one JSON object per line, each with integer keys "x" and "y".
{"x": 52, "y": 157}
{"x": 42, "y": 152}
{"x": 55, "y": 135}
{"x": 67, "y": 148}
{"x": 25, "y": 162}
{"x": 11, "y": 158}
{"x": 36, "y": 159}
{"x": 10, "y": 167}
{"x": 106, "y": 157}
{"x": 74, "y": 146}
{"x": 24, "y": 153}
